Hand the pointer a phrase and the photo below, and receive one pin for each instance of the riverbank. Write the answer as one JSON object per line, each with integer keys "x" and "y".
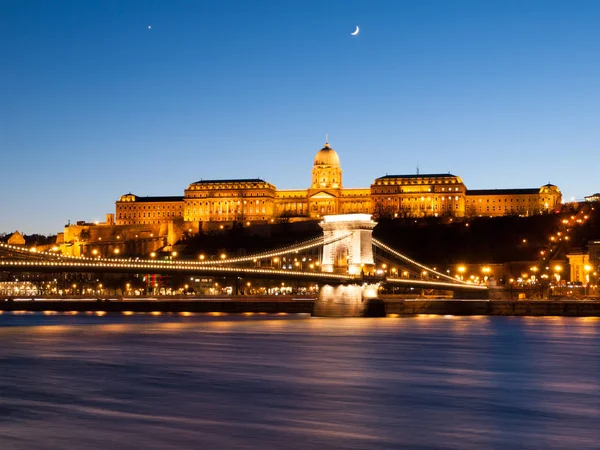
{"x": 234, "y": 305}
{"x": 301, "y": 305}
{"x": 572, "y": 308}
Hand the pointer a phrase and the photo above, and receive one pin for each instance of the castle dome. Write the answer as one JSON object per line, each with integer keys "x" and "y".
{"x": 327, "y": 157}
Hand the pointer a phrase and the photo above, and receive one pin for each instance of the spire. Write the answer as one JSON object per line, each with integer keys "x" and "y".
{"x": 326, "y": 140}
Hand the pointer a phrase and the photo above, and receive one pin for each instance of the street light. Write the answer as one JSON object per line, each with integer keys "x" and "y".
{"x": 587, "y": 269}
{"x": 557, "y": 269}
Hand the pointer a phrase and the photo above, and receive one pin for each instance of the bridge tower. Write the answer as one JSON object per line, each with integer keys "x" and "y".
{"x": 349, "y": 247}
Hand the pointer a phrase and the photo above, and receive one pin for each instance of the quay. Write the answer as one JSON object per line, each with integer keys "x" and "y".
{"x": 305, "y": 305}
{"x": 566, "y": 308}
{"x": 163, "y": 304}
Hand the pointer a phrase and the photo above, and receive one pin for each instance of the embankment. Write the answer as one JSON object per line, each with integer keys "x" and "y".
{"x": 292, "y": 305}
{"x": 573, "y": 308}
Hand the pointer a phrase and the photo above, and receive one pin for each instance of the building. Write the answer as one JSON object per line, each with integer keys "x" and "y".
{"x": 523, "y": 202}
{"x": 207, "y": 202}
{"x": 16, "y": 239}
{"x": 418, "y": 195}
{"x": 134, "y": 210}
{"x": 593, "y": 198}
{"x": 585, "y": 267}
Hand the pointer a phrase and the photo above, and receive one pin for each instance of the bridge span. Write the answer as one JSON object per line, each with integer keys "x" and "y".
{"x": 347, "y": 274}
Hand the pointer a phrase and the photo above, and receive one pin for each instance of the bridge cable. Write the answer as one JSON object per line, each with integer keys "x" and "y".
{"x": 381, "y": 245}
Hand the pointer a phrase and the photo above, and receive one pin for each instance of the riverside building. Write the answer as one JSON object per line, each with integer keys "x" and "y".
{"x": 254, "y": 200}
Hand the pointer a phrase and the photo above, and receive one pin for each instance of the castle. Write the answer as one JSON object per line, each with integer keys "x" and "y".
{"x": 254, "y": 200}
{"x": 207, "y": 204}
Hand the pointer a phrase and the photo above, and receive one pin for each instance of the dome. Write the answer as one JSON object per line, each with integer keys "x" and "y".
{"x": 327, "y": 157}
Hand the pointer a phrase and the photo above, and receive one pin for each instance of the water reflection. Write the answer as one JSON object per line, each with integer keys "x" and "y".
{"x": 270, "y": 382}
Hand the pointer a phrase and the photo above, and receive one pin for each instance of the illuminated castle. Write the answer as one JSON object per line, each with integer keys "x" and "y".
{"x": 209, "y": 202}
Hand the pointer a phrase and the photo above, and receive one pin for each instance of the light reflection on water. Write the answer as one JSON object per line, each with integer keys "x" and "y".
{"x": 270, "y": 382}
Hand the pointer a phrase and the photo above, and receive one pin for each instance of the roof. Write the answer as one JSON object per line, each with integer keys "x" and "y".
{"x": 327, "y": 157}
{"x": 421, "y": 175}
{"x": 233, "y": 180}
{"x": 158, "y": 199}
{"x": 503, "y": 191}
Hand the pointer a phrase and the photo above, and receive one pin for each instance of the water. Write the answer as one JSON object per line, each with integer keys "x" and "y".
{"x": 272, "y": 382}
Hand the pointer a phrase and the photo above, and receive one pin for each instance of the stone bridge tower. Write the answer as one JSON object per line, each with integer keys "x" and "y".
{"x": 353, "y": 253}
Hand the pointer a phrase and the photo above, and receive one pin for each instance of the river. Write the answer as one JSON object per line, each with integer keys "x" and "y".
{"x": 273, "y": 382}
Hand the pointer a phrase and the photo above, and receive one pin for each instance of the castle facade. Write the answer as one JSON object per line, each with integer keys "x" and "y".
{"x": 208, "y": 202}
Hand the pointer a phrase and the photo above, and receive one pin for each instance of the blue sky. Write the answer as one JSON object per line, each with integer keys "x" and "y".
{"x": 94, "y": 104}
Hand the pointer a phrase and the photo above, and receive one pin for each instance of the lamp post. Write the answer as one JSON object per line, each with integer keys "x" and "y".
{"x": 557, "y": 270}
{"x": 486, "y": 270}
{"x": 587, "y": 268}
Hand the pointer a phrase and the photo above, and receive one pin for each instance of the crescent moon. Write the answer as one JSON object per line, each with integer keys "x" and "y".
{"x": 355, "y": 31}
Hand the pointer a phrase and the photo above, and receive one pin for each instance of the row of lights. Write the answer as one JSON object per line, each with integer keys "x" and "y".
{"x": 131, "y": 313}
{"x": 145, "y": 265}
{"x": 296, "y": 248}
{"x": 437, "y": 283}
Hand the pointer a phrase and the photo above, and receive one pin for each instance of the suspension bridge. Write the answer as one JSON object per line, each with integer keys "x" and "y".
{"x": 346, "y": 274}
